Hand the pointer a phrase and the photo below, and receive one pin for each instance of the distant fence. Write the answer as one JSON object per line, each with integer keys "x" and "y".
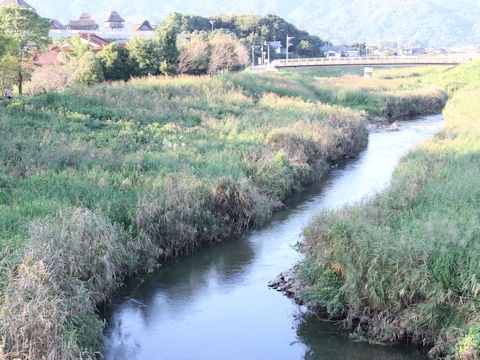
{"x": 376, "y": 60}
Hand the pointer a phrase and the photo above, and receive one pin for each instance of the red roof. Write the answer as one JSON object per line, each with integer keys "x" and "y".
{"x": 96, "y": 42}
{"x": 51, "y": 57}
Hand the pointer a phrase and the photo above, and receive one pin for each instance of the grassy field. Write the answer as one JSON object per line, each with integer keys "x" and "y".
{"x": 404, "y": 267}
{"x": 101, "y": 182}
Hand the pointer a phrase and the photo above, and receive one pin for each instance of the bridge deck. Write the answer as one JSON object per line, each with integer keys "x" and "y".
{"x": 374, "y": 60}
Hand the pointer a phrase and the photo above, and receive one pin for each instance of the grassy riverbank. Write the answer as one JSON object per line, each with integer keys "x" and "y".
{"x": 404, "y": 266}
{"x": 101, "y": 182}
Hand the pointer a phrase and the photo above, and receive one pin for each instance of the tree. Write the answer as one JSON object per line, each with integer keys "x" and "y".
{"x": 115, "y": 62}
{"x": 89, "y": 70}
{"x": 227, "y": 54}
{"x": 194, "y": 58}
{"x": 145, "y": 56}
{"x": 166, "y": 36}
{"x": 8, "y": 63}
{"x": 28, "y": 30}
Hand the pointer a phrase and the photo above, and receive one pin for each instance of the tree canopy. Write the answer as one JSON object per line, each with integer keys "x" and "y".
{"x": 28, "y": 30}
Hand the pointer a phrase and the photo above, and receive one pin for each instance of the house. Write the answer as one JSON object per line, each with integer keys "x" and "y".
{"x": 114, "y": 21}
{"x": 17, "y": 3}
{"x": 56, "y": 25}
{"x": 85, "y": 23}
{"x": 96, "y": 43}
{"x": 339, "y": 51}
{"x": 141, "y": 25}
{"x": 52, "y": 57}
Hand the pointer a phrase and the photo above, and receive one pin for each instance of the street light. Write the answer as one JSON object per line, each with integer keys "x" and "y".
{"x": 212, "y": 22}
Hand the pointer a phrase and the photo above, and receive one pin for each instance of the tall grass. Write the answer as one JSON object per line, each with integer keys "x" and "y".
{"x": 404, "y": 266}
{"x": 115, "y": 177}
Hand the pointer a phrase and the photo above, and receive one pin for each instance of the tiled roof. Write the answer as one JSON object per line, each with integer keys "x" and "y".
{"x": 17, "y": 3}
{"x": 141, "y": 25}
{"x": 56, "y": 25}
{"x": 96, "y": 42}
{"x": 114, "y": 17}
{"x": 51, "y": 57}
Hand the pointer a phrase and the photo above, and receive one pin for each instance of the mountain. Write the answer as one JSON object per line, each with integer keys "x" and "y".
{"x": 433, "y": 22}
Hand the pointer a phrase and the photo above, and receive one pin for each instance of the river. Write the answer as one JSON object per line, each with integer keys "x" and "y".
{"x": 215, "y": 303}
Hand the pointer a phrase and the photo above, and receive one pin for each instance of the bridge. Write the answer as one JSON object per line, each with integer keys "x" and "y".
{"x": 375, "y": 61}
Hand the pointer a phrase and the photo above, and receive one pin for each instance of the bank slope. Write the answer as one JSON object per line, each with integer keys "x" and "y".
{"x": 404, "y": 266}
{"x": 100, "y": 182}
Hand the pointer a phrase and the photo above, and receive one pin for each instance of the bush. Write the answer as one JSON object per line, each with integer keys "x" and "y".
{"x": 89, "y": 70}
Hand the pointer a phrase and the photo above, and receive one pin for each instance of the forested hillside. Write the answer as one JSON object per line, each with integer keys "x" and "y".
{"x": 437, "y": 22}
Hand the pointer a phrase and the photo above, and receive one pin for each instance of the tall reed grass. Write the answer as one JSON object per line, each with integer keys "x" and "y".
{"x": 115, "y": 177}
{"x": 404, "y": 267}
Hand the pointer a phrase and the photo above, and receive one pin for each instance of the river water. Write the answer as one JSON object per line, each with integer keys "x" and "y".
{"x": 215, "y": 303}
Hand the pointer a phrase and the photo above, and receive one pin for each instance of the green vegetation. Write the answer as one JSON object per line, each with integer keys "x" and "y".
{"x": 103, "y": 181}
{"x": 251, "y": 30}
{"x": 403, "y": 267}
{"x": 29, "y": 31}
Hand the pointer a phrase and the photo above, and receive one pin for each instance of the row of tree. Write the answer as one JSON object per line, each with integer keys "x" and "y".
{"x": 251, "y": 30}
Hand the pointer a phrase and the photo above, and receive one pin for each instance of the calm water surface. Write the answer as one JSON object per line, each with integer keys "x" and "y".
{"x": 215, "y": 304}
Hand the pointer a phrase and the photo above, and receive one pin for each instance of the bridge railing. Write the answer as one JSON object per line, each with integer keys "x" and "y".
{"x": 376, "y": 60}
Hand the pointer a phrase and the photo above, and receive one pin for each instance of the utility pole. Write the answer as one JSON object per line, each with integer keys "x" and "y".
{"x": 212, "y": 22}
{"x": 268, "y": 47}
{"x": 288, "y": 43}
{"x": 263, "y": 56}
{"x": 253, "y": 55}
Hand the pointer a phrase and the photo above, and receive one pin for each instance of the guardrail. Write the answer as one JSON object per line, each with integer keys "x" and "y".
{"x": 375, "y": 60}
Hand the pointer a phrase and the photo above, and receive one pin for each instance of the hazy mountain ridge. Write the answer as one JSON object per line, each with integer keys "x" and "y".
{"x": 437, "y": 22}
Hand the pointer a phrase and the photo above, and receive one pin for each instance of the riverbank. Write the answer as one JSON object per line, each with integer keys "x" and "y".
{"x": 403, "y": 267}
{"x": 102, "y": 182}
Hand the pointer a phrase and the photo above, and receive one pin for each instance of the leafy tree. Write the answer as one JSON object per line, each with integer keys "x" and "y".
{"x": 227, "y": 54}
{"x": 145, "y": 56}
{"x": 166, "y": 36}
{"x": 8, "y": 63}
{"x": 89, "y": 70}
{"x": 194, "y": 57}
{"x": 78, "y": 48}
{"x": 186, "y": 23}
{"x": 115, "y": 62}
{"x": 28, "y": 30}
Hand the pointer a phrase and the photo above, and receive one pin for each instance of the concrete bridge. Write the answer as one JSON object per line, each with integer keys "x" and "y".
{"x": 375, "y": 61}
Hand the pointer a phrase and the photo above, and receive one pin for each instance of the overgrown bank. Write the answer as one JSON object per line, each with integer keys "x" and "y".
{"x": 101, "y": 182}
{"x": 404, "y": 266}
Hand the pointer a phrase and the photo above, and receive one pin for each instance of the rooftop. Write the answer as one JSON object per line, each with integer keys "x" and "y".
{"x": 17, "y": 3}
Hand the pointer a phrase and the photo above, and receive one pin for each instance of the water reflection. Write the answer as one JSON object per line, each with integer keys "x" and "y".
{"x": 215, "y": 303}
{"x": 336, "y": 345}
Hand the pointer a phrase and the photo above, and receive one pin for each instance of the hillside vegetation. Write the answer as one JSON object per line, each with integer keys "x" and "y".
{"x": 403, "y": 267}
{"x": 101, "y": 182}
{"x": 436, "y": 22}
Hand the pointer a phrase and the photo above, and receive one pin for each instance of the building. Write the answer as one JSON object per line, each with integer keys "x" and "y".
{"x": 141, "y": 25}
{"x": 52, "y": 57}
{"x": 114, "y": 21}
{"x": 85, "y": 23}
{"x": 17, "y": 3}
{"x": 339, "y": 51}
{"x": 56, "y": 25}
{"x": 96, "y": 43}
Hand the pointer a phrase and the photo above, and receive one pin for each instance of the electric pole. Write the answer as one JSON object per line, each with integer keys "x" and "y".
{"x": 288, "y": 43}
{"x": 253, "y": 55}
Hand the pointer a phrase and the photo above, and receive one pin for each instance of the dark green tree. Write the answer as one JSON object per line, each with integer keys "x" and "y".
{"x": 115, "y": 62}
{"x": 145, "y": 56}
{"x": 89, "y": 70}
{"x": 166, "y": 36}
{"x": 9, "y": 66}
{"x": 29, "y": 31}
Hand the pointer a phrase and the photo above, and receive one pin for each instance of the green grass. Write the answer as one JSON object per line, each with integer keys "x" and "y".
{"x": 144, "y": 171}
{"x": 408, "y": 258}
